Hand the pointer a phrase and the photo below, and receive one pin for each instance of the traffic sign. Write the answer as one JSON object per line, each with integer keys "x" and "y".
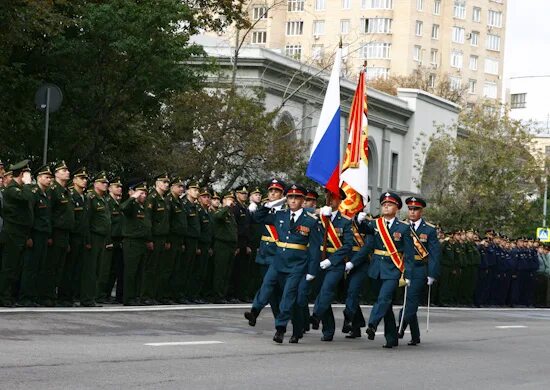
{"x": 543, "y": 234}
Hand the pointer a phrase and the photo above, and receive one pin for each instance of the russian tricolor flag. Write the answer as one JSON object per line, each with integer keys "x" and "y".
{"x": 324, "y": 161}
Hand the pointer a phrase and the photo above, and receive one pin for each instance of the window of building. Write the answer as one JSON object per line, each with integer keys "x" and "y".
{"x": 435, "y": 31}
{"x": 376, "y": 50}
{"x": 317, "y": 52}
{"x": 458, "y": 35}
{"x": 420, "y": 5}
{"x": 259, "y": 37}
{"x": 476, "y": 14}
{"x": 377, "y": 4}
{"x": 293, "y": 51}
{"x": 490, "y": 90}
{"x": 491, "y": 66}
{"x": 320, "y": 5}
{"x": 376, "y": 25}
{"x": 418, "y": 28}
{"x": 431, "y": 80}
{"x": 346, "y": 4}
{"x": 474, "y": 38}
{"x": 493, "y": 42}
{"x": 494, "y": 18}
{"x": 295, "y": 27}
{"x": 473, "y": 62}
{"x": 472, "y": 86}
{"x": 517, "y": 100}
{"x": 434, "y": 57}
{"x": 295, "y": 5}
{"x": 456, "y": 82}
{"x": 259, "y": 13}
{"x": 437, "y": 7}
{"x": 318, "y": 27}
{"x": 394, "y": 169}
{"x": 417, "y": 53}
{"x": 377, "y": 72}
{"x": 344, "y": 26}
{"x": 459, "y": 11}
{"x": 456, "y": 59}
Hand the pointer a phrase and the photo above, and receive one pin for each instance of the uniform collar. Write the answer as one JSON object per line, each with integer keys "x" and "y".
{"x": 334, "y": 213}
{"x": 297, "y": 213}
{"x": 416, "y": 224}
{"x": 389, "y": 222}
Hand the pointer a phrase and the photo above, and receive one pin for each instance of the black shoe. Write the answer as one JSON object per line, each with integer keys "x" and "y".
{"x": 370, "y": 332}
{"x": 326, "y": 338}
{"x": 200, "y": 302}
{"x": 355, "y": 333}
{"x": 388, "y": 346}
{"x": 47, "y": 303}
{"x": 251, "y": 316}
{"x": 64, "y": 304}
{"x": 183, "y": 301}
{"x": 279, "y": 336}
{"x": 148, "y": 302}
{"x": 314, "y": 321}
{"x": 346, "y": 326}
{"x": 413, "y": 342}
{"x": 293, "y": 339}
{"x": 402, "y": 333}
{"x": 90, "y": 304}
{"x": 132, "y": 303}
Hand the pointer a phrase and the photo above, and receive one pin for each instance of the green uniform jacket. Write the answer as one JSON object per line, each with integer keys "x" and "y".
{"x": 193, "y": 219}
{"x": 81, "y": 218}
{"x": 224, "y": 225}
{"x": 17, "y": 211}
{"x": 116, "y": 217}
{"x": 178, "y": 217}
{"x": 135, "y": 223}
{"x": 447, "y": 254}
{"x": 62, "y": 207}
{"x": 42, "y": 210}
{"x": 99, "y": 216}
{"x": 206, "y": 226}
{"x": 158, "y": 211}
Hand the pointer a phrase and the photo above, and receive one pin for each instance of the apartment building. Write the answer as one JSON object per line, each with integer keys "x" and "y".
{"x": 463, "y": 39}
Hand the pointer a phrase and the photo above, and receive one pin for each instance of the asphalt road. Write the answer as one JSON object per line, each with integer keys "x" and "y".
{"x": 212, "y": 347}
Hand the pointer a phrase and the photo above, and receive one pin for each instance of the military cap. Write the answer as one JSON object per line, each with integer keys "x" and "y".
{"x": 295, "y": 190}
{"x": 391, "y": 197}
{"x": 101, "y": 177}
{"x": 230, "y": 194}
{"x": 60, "y": 165}
{"x": 139, "y": 185}
{"x": 414, "y": 201}
{"x": 193, "y": 184}
{"x": 21, "y": 166}
{"x": 312, "y": 194}
{"x": 8, "y": 173}
{"x": 43, "y": 170}
{"x": 204, "y": 191}
{"x": 115, "y": 181}
{"x": 241, "y": 190}
{"x": 81, "y": 172}
{"x": 276, "y": 184}
{"x": 162, "y": 177}
{"x": 215, "y": 195}
{"x": 176, "y": 181}
{"x": 256, "y": 190}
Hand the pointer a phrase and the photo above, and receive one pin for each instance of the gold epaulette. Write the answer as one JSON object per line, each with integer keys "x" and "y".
{"x": 430, "y": 224}
{"x": 312, "y": 215}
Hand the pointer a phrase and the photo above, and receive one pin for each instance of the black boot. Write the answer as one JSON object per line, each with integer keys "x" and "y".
{"x": 346, "y": 326}
{"x": 371, "y": 331}
{"x": 315, "y": 321}
{"x": 251, "y": 316}
{"x": 355, "y": 333}
{"x": 279, "y": 335}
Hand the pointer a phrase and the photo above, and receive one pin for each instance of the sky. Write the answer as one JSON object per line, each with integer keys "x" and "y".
{"x": 527, "y": 45}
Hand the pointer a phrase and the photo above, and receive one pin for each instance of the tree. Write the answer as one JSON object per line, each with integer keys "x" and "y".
{"x": 485, "y": 177}
{"x": 425, "y": 79}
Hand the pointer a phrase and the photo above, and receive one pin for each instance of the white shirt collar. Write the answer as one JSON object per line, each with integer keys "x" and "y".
{"x": 417, "y": 223}
{"x": 389, "y": 222}
{"x": 297, "y": 213}
{"x": 333, "y": 215}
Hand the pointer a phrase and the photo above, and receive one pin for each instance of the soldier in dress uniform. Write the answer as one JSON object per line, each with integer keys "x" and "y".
{"x": 311, "y": 199}
{"x": 242, "y": 259}
{"x": 426, "y": 265}
{"x": 178, "y": 229}
{"x": 192, "y": 250}
{"x": 114, "y": 248}
{"x": 40, "y": 235}
{"x": 16, "y": 234}
{"x": 298, "y": 253}
{"x": 99, "y": 218}
{"x": 215, "y": 202}
{"x": 225, "y": 245}
{"x": 136, "y": 230}
{"x": 156, "y": 271}
{"x": 253, "y": 277}
{"x": 62, "y": 224}
{"x": 392, "y": 251}
{"x": 205, "y": 247}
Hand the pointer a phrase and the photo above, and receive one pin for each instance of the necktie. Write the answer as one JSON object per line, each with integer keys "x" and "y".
{"x": 292, "y": 220}
{"x": 272, "y": 211}
{"x": 388, "y": 224}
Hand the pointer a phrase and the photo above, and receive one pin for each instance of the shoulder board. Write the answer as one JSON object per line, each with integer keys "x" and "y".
{"x": 312, "y": 215}
{"x": 346, "y": 217}
{"x": 91, "y": 195}
{"x": 404, "y": 221}
{"x": 34, "y": 190}
{"x": 430, "y": 224}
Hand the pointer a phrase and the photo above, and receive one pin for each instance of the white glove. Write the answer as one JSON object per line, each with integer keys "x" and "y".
{"x": 361, "y": 217}
{"x": 326, "y": 211}
{"x": 325, "y": 264}
{"x": 430, "y": 280}
{"x": 252, "y": 207}
{"x": 309, "y": 277}
{"x": 27, "y": 178}
{"x": 349, "y": 266}
{"x": 408, "y": 282}
{"x": 275, "y": 203}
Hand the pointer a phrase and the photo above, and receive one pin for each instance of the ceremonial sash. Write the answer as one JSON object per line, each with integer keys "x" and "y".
{"x": 389, "y": 244}
{"x": 331, "y": 232}
{"x": 272, "y": 232}
{"x": 420, "y": 248}
{"x": 357, "y": 236}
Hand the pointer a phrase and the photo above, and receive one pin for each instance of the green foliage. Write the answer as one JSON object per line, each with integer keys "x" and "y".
{"x": 485, "y": 177}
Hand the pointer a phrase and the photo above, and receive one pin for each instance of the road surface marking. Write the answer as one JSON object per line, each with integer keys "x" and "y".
{"x": 183, "y": 343}
{"x": 510, "y": 326}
